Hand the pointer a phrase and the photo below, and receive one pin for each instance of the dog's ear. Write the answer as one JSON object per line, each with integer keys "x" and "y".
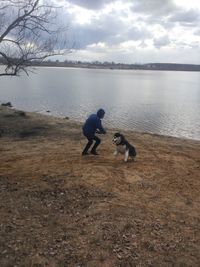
{"x": 122, "y": 137}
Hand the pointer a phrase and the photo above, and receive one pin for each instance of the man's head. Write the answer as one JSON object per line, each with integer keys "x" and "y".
{"x": 100, "y": 113}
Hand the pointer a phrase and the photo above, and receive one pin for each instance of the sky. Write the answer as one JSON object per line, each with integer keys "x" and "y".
{"x": 133, "y": 31}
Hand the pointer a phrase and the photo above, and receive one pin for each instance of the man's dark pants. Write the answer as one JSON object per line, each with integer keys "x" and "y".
{"x": 90, "y": 141}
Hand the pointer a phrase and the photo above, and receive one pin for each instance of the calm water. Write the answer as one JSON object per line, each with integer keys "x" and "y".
{"x": 161, "y": 102}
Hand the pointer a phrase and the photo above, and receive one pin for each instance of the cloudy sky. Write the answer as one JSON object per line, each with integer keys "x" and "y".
{"x": 134, "y": 31}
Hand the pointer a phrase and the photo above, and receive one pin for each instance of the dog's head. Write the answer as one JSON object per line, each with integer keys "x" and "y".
{"x": 118, "y": 138}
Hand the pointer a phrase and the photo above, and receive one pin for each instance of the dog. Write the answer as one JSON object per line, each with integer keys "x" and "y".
{"x": 123, "y": 147}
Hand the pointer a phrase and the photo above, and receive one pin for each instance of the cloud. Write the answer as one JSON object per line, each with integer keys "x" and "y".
{"x": 132, "y": 54}
{"x": 109, "y": 28}
{"x": 138, "y": 32}
{"x": 113, "y": 27}
{"x": 153, "y": 7}
{"x": 162, "y": 41}
{"x": 197, "y": 31}
{"x": 134, "y": 30}
{"x": 185, "y": 16}
{"x": 90, "y": 4}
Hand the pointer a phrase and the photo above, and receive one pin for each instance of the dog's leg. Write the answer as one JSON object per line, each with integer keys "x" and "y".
{"x": 116, "y": 152}
{"x": 126, "y": 155}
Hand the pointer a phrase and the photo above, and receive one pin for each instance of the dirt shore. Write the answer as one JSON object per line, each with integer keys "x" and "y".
{"x": 60, "y": 209}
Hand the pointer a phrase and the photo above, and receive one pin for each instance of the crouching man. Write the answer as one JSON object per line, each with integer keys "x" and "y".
{"x": 90, "y": 127}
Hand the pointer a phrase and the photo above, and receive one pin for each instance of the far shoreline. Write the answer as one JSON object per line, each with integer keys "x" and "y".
{"x": 118, "y": 66}
{"x": 113, "y": 69}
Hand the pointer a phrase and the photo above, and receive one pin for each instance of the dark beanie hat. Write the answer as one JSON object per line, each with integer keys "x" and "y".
{"x": 100, "y": 113}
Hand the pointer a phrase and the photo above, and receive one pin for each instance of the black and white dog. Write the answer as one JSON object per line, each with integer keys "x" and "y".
{"x": 123, "y": 147}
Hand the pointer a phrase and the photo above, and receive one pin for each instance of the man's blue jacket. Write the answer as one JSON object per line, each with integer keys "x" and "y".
{"x": 92, "y": 124}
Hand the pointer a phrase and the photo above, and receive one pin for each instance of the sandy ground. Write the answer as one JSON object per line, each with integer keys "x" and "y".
{"x": 60, "y": 209}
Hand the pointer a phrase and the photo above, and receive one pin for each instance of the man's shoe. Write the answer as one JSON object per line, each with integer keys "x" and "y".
{"x": 94, "y": 153}
{"x": 85, "y": 153}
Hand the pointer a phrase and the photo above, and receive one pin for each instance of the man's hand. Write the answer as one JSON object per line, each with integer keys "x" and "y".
{"x": 100, "y": 132}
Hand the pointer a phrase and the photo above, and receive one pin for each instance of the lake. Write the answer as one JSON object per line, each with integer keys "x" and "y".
{"x": 161, "y": 102}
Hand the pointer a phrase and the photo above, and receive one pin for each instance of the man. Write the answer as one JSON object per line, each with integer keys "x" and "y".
{"x": 92, "y": 126}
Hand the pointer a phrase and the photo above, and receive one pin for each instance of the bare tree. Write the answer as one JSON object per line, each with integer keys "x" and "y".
{"x": 28, "y": 33}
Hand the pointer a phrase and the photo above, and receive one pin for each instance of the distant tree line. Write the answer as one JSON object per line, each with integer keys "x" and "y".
{"x": 113, "y": 65}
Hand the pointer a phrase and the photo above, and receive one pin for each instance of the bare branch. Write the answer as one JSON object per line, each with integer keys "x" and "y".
{"x": 31, "y": 35}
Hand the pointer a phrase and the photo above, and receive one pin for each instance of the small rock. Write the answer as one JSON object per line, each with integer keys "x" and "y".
{"x": 52, "y": 253}
{"x": 66, "y": 118}
{"x": 8, "y": 104}
{"x": 119, "y": 256}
